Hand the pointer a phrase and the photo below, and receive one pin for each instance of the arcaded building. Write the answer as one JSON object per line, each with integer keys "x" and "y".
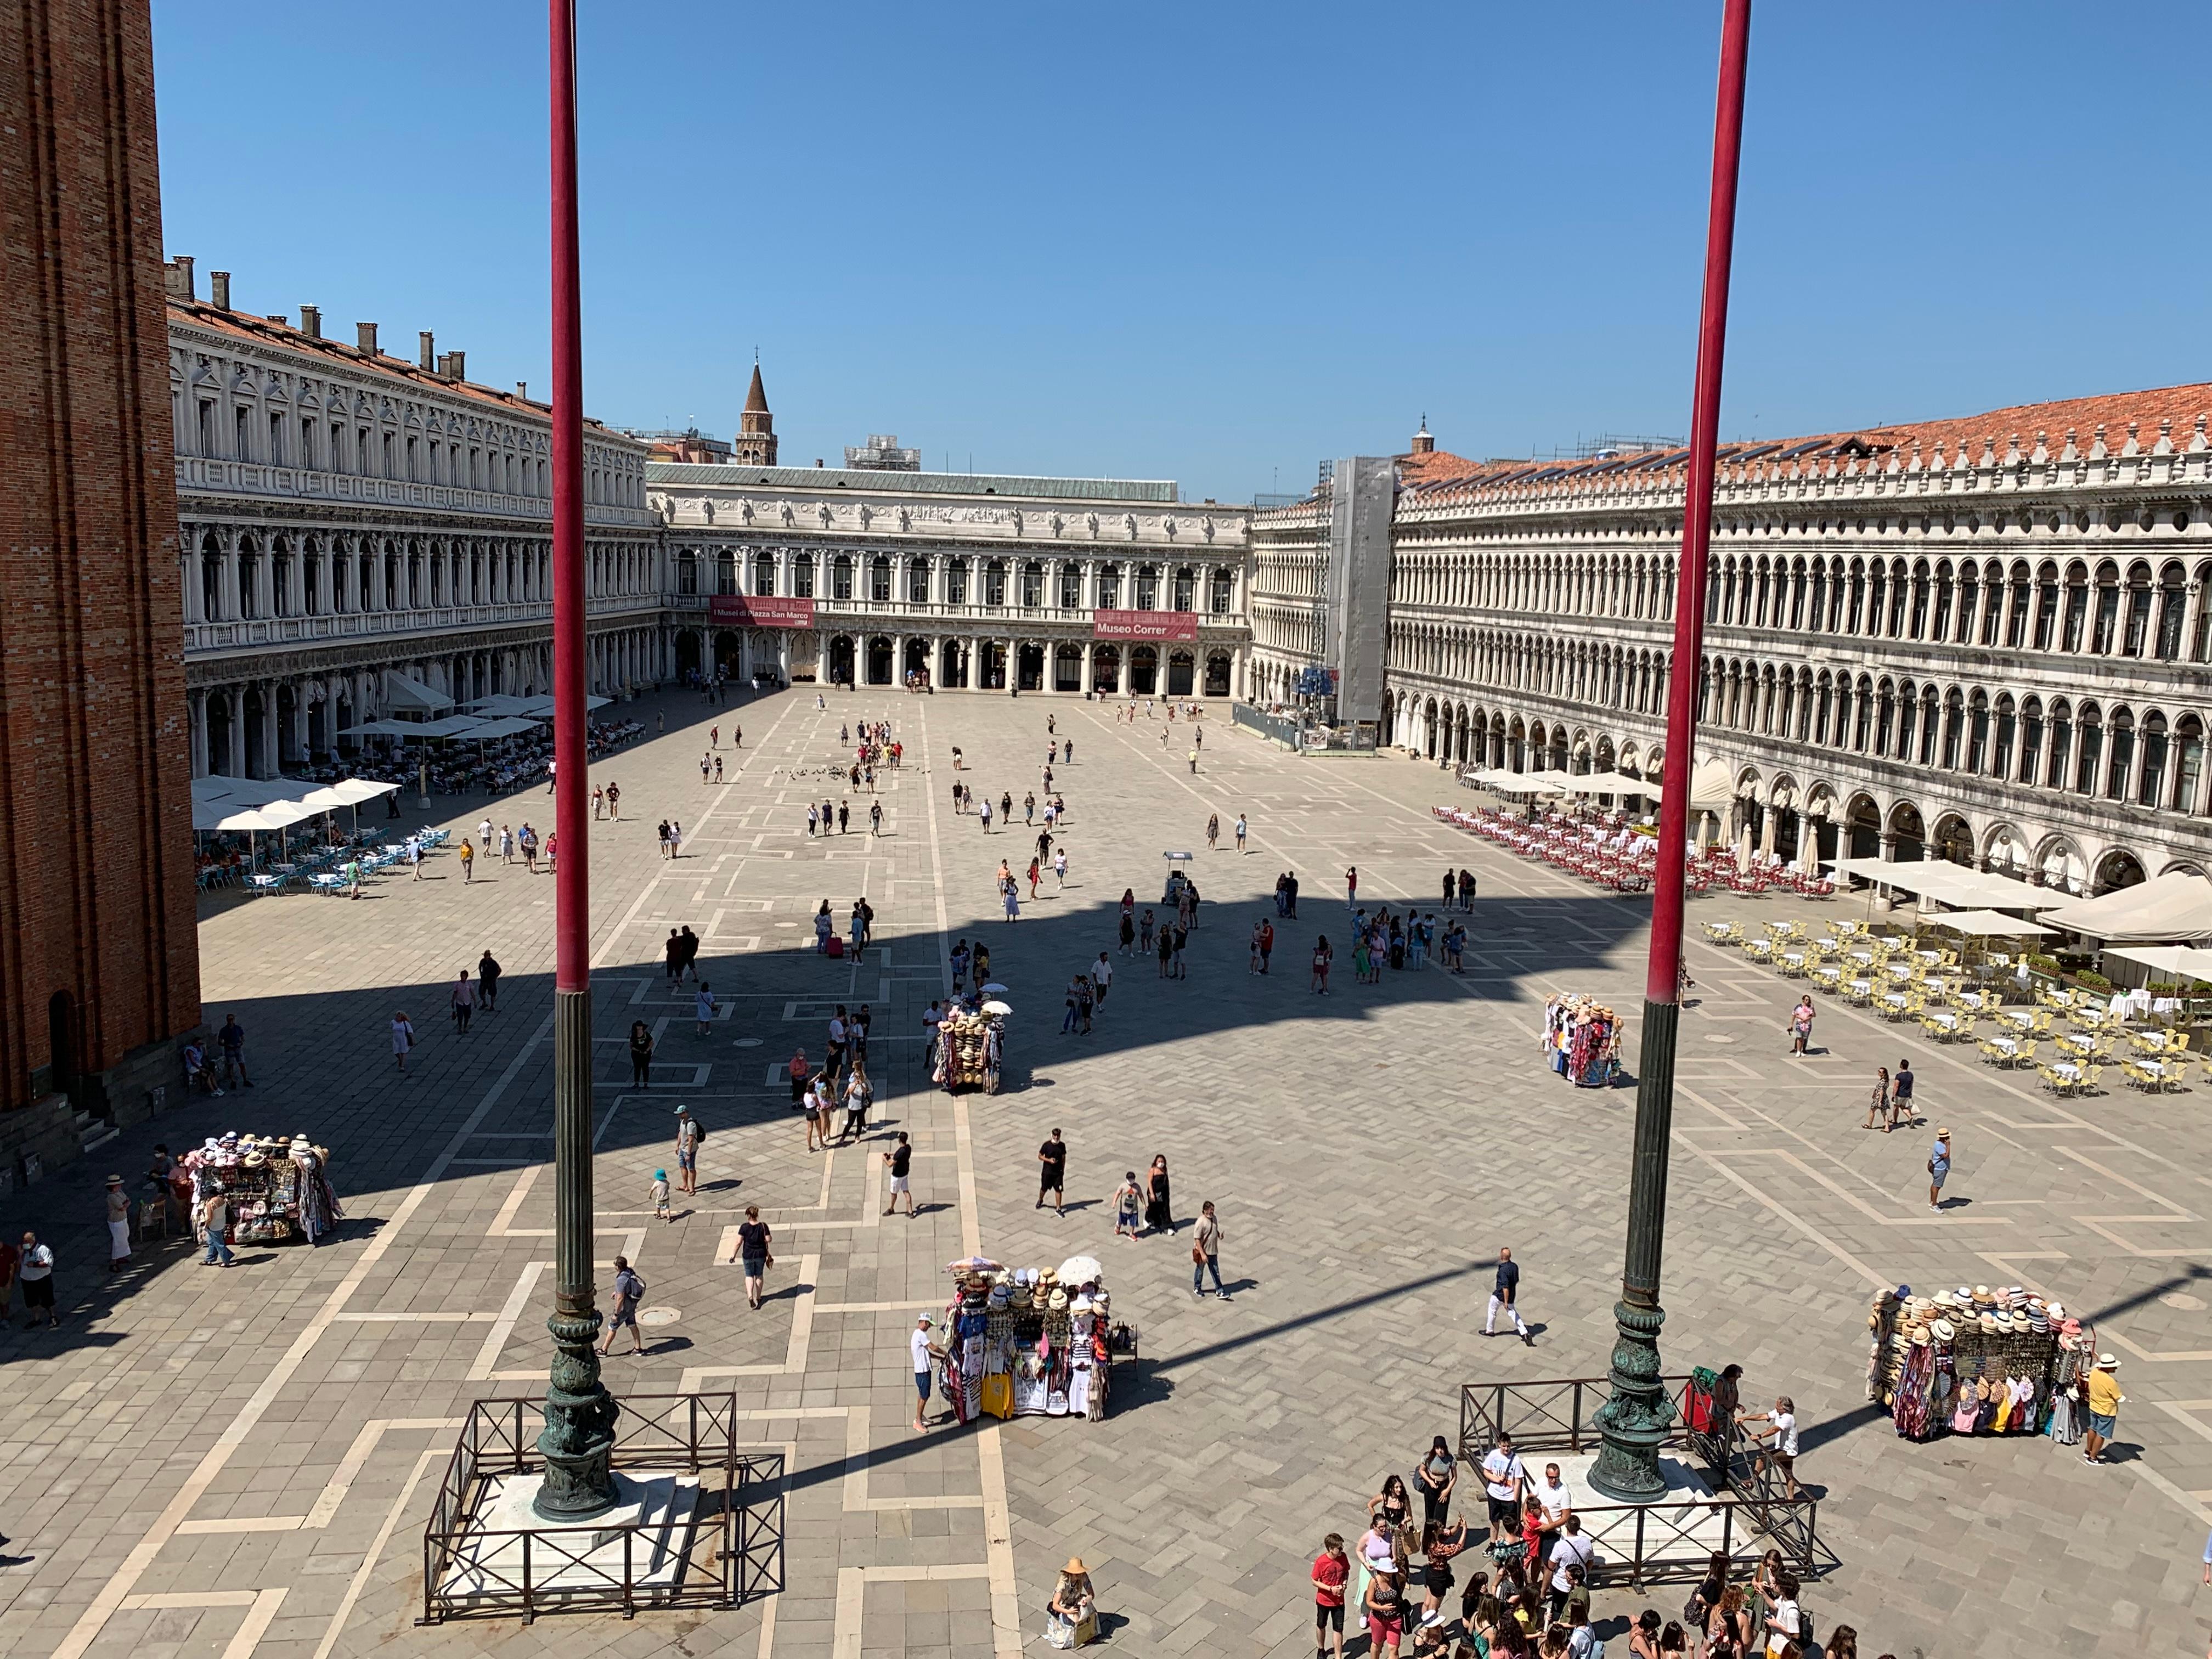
{"x": 1984, "y": 639}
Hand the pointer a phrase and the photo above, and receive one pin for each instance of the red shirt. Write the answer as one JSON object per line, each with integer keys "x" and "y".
{"x": 1329, "y": 1573}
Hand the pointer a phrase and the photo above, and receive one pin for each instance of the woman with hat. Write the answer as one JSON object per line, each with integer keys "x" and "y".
{"x": 1073, "y": 1601}
{"x": 2105, "y": 1400}
{"x": 118, "y": 1225}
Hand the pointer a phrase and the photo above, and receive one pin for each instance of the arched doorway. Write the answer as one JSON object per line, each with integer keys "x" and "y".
{"x": 917, "y": 658}
{"x": 2118, "y": 869}
{"x": 1067, "y": 666}
{"x": 1908, "y": 834}
{"x": 991, "y": 670}
{"x": 729, "y": 651}
{"x": 688, "y": 661}
{"x": 1429, "y": 728}
{"x": 951, "y": 663}
{"x": 255, "y": 764}
{"x": 1106, "y": 668}
{"x": 1955, "y": 841}
{"x": 1029, "y": 666}
{"x": 879, "y": 661}
{"x": 1144, "y": 670}
{"x": 1217, "y": 678}
{"x": 219, "y": 730}
{"x": 1864, "y": 824}
{"x": 840, "y": 659}
{"x": 1181, "y": 673}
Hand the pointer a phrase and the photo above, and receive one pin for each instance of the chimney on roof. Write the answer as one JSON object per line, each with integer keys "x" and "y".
{"x": 522, "y": 390}
{"x": 460, "y": 361}
{"x": 1423, "y": 443}
{"x": 280, "y": 318}
{"x": 427, "y": 351}
{"x": 219, "y": 289}
{"x": 176, "y": 278}
{"x": 364, "y": 339}
{"x": 311, "y": 321}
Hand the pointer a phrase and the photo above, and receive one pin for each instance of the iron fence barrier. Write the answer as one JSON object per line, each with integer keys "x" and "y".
{"x": 1654, "y": 1543}
{"x": 723, "y": 1548}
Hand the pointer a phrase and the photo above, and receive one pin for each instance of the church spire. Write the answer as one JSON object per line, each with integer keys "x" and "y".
{"x": 754, "y": 444}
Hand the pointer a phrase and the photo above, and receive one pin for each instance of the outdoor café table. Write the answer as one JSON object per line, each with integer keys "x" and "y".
{"x": 2067, "y": 1069}
{"x": 1864, "y": 958}
{"x": 1897, "y": 970}
{"x": 1947, "y": 1021}
{"x": 1931, "y": 957}
{"x": 2007, "y": 1045}
{"x": 1863, "y": 987}
{"x": 1894, "y": 998}
{"x": 1795, "y": 959}
{"x": 2021, "y": 1018}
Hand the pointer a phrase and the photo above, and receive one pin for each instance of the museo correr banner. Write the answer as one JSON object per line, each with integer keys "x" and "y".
{"x": 1144, "y": 624}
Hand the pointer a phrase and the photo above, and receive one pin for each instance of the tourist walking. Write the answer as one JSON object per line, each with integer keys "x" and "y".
{"x": 1939, "y": 1170}
{"x": 1213, "y": 832}
{"x": 1128, "y": 1201}
{"x": 752, "y": 1246}
{"x": 1241, "y": 828}
{"x": 1900, "y": 1096}
{"x": 640, "y": 1055}
{"x": 629, "y": 1291}
{"x": 704, "y": 1007}
{"x": 1503, "y": 1479}
{"x": 924, "y": 1358}
{"x": 231, "y": 1041}
{"x": 659, "y": 1192}
{"x": 688, "y": 1135}
{"x": 1206, "y": 1252}
{"x": 1322, "y": 955}
{"x": 214, "y": 1222}
{"x": 1351, "y": 888}
{"x": 1101, "y": 975}
{"x": 1505, "y": 1293}
{"x": 1878, "y": 1100}
{"x": 1436, "y": 1477}
{"x": 2105, "y": 1402}
{"x": 1332, "y": 1571}
{"x": 464, "y": 1002}
{"x": 900, "y": 1162}
{"x": 1052, "y": 1173}
{"x": 35, "y": 1271}
{"x": 488, "y": 973}
{"x": 118, "y": 1225}
{"x": 1801, "y": 1025}
{"x": 1159, "y": 1207}
{"x": 402, "y": 1037}
{"x": 468, "y": 860}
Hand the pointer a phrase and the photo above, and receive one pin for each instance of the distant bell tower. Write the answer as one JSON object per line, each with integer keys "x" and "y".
{"x": 754, "y": 444}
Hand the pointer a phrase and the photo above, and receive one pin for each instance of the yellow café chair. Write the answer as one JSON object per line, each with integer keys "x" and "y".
{"x": 1994, "y": 1054}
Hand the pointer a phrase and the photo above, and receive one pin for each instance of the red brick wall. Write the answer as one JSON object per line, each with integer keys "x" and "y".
{"x": 96, "y": 807}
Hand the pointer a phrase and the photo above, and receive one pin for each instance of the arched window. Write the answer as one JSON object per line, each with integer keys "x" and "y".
{"x": 802, "y": 575}
{"x": 1886, "y": 720}
{"x": 1940, "y": 629}
{"x": 2030, "y": 740}
{"x": 1877, "y": 596}
{"x": 2188, "y": 762}
{"x": 1978, "y": 733}
{"x": 2090, "y": 742}
{"x": 2121, "y": 754}
{"x": 763, "y": 574}
{"x": 1932, "y": 724}
{"x": 1218, "y": 599}
{"x": 2152, "y": 791}
{"x": 880, "y": 578}
{"x": 2139, "y": 608}
{"x": 1955, "y": 719}
{"x": 2173, "y": 610}
{"x": 2077, "y": 605}
{"x": 1866, "y": 713}
{"x": 1186, "y": 588}
{"x": 840, "y": 576}
{"x": 2108, "y": 609}
{"x": 2055, "y": 774}
{"x": 1109, "y": 587}
{"x": 956, "y": 581}
{"x": 1032, "y": 585}
{"x": 1148, "y": 587}
{"x": 917, "y": 580}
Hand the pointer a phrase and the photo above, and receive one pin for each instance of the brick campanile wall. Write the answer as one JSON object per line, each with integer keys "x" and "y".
{"x": 96, "y": 894}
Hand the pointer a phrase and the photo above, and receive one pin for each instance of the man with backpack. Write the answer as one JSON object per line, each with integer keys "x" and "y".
{"x": 629, "y": 1291}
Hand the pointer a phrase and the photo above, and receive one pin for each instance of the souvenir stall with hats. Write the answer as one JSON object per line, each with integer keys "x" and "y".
{"x": 1582, "y": 1040}
{"x": 1029, "y": 1341}
{"x": 971, "y": 1044}
{"x": 1976, "y": 1361}
{"x": 279, "y": 1190}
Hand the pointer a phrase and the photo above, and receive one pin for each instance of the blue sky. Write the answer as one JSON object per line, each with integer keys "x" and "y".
{"x": 1213, "y": 243}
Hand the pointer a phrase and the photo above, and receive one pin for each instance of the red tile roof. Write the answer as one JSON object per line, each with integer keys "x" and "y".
{"x": 268, "y": 330}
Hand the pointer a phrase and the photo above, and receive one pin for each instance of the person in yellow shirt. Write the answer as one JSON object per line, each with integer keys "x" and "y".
{"x": 2105, "y": 1398}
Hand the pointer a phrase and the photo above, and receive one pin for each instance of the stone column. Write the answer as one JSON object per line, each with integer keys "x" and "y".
{"x": 299, "y": 745}
{"x": 228, "y": 588}
{"x": 196, "y": 700}
{"x": 194, "y": 593}
{"x": 270, "y": 755}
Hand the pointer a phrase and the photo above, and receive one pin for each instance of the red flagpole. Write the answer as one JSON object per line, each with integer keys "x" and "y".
{"x": 1638, "y": 1414}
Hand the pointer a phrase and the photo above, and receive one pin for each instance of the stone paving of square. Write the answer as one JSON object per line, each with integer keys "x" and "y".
{"x": 202, "y": 1464}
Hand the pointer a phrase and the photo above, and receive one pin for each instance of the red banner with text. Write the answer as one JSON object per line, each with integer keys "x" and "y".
{"x": 749, "y": 610}
{"x": 1144, "y": 624}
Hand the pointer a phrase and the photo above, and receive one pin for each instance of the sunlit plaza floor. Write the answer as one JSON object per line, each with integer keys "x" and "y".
{"x": 240, "y": 1464}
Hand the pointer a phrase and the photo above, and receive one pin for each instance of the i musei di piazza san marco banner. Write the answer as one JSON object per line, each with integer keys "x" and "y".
{"x": 1144, "y": 624}
{"x": 749, "y": 611}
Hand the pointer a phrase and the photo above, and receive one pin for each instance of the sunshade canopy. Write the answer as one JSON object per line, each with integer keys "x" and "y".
{"x": 2173, "y": 908}
{"x": 1986, "y": 924}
